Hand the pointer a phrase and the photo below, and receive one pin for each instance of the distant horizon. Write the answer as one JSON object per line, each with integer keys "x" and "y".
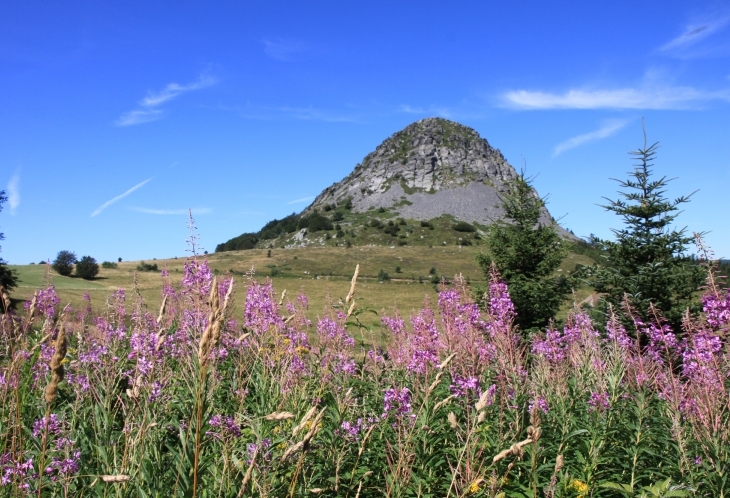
{"x": 117, "y": 119}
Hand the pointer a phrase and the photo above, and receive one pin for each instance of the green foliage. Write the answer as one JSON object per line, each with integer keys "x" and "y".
{"x": 87, "y": 268}
{"x": 109, "y": 265}
{"x": 338, "y": 216}
{"x": 432, "y": 271}
{"x": 147, "y": 266}
{"x": 527, "y": 255}
{"x": 463, "y": 226}
{"x": 398, "y": 269}
{"x": 316, "y": 222}
{"x": 8, "y": 278}
{"x": 383, "y": 276}
{"x": 64, "y": 263}
{"x": 648, "y": 261}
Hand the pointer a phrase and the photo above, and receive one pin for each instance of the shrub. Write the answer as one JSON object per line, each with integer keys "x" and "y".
{"x": 402, "y": 242}
{"x": 109, "y": 265}
{"x": 348, "y": 203}
{"x": 381, "y": 210}
{"x": 338, "y": 216}
{"x": 146, "y": 267}
{"x": 432, "y": 271}
{"x": 87, "y": 268}
{"x": 64, "y": 263}
{"x": 397, "y": 269}
{"x": 463, "y": 226}
{"x": 383, "y": 275}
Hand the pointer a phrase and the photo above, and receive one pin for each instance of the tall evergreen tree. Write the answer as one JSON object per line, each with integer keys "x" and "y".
{"x": 527, "y": 254}
{"x": 648, "y": 261}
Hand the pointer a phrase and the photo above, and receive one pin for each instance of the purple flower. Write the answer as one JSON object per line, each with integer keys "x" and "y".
{"x": 462, "y": 385}
{"x": 397, "y": 401}
{"x": 541, "y": 404}
{"x": 47, "y": 301}
{"x": 51, "y": 423}
{"x": 599, "y": 401}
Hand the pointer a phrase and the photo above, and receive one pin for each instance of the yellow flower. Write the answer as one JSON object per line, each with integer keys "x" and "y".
{"x": 475, "y": 486}
{"x": 579, "y": 487}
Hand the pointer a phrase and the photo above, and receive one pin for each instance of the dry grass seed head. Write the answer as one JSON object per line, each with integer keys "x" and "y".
{"x": 56, "y": 365}
{"x": 279, "y": 416}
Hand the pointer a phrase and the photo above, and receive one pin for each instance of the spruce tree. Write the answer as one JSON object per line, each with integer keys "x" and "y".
{"x": 648, "y": 261}
{"x": 527, "y": 254}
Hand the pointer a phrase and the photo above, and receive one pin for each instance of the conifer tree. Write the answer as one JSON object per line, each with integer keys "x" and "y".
{"x": 648, "y": 261}
{"x": 527, "y": 254}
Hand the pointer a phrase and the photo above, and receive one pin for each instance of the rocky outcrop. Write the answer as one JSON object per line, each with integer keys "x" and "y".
{"x": 430, "y": 168}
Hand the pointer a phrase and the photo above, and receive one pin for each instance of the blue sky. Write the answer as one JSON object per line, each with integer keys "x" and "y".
{"x": 117, "y": 117}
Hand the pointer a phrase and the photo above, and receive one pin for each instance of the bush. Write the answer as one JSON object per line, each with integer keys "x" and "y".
{"x": 64, "y": 263}
{"x": 383, "y": 275}
{"x": 87, "y": 268}
{"x": 463, "y": 226}
{"x": 146, "y": 267}
{"x": 338, "y": 216}
{"x": 432, "y": 271}
{"x": 109, "y": 265}
{"x": 398, "y": 269}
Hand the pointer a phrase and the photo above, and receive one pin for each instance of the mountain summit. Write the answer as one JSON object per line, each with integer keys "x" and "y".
{"x": 431, "y": 168}
{"x": 431, "y": 183}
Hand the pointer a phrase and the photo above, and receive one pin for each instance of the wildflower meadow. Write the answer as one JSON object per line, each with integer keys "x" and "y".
{"x": 228, "y": 390}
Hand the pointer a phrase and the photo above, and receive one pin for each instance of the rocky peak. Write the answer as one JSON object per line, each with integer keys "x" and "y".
{"x": 427, "y": 156}
{"x": 430, "y": 168}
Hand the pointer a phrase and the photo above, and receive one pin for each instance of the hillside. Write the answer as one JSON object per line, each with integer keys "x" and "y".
{"x": 436, "y": 182}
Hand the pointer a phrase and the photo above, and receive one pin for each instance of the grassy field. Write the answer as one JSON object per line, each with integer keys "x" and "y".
{"x": 319, "y": 272}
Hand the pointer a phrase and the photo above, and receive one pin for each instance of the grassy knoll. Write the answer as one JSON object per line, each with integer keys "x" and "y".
{"x": 316, "y": 271}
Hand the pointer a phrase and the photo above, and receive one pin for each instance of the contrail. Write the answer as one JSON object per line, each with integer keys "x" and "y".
{"x": 118, "y": 198}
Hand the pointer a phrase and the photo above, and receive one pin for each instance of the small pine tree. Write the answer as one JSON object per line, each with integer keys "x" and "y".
{"x": 648, "y": 261}
{"x": 527, "y": 255}
{"x": 87, "y": 268}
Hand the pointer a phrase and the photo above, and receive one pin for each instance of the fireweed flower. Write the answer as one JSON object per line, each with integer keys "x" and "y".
{"x": 224, "y": 427}
{"x": 461, "y": 386}
{"x": 197, "y": 278}
{"x": 337, "y": 347}
{"x": 47, "y": 302}
{"x": 396, "y": 402}
{"x": 50, "y": 422}
{"x": 541, "y": 404}
{"x": 13, "y": 470}
{"x": 717, "y": 309}
{"x": 599, "y": 401}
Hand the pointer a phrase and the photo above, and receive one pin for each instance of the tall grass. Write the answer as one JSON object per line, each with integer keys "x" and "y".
{"x": 221, "y": 395}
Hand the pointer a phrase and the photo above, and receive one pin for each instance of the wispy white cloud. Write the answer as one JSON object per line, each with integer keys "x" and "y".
{"x": 697, "y": 31}
{"x": 283, "y": 50}
{"x": 605, "y": 131}
{"x": 299, "y": 201}
{"x": 195, "y": 211}
{"x": 138, "y": 116}
{"x": 173, "y": 90}
{"x": 14, "y": 193}
{"x": 119, "y": 197}
{"x": 645, "y": 97}
{"x": 148, "y": 106}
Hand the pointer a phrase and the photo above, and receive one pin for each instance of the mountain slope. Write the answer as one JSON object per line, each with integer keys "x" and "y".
{"x": 421, "y": 181}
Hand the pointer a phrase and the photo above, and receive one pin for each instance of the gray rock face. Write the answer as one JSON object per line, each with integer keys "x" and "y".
{"x": 430, "y": 168}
